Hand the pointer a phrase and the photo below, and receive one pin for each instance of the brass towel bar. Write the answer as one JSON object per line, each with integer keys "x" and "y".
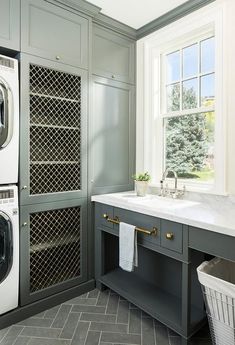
{"x": 145, "y": 231}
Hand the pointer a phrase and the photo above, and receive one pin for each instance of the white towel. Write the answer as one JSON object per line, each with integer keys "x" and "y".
{"x": 128, "y": 255}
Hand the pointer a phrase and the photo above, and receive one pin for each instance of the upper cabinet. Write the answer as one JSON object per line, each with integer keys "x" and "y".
{"x": 112, "y": 131}
{"x": 10, "y": 24}
{"x": 113, "y": 55}
{"x": 54, "y": 33}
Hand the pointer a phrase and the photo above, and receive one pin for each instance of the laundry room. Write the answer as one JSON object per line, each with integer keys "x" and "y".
{"x": 117, "y": 172}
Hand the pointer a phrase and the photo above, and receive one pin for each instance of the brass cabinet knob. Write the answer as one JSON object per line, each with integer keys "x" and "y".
{"x": 25, "y": 224}
{"x": 113, "y": 76}
{"x": 105, "y": 216}
{"x": 169, "y": 236}
{"x": 57, "y": 57}
{"x": 24, "y": 187}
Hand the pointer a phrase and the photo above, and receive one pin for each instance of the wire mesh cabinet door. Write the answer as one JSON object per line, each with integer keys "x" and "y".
{"x": 53, "y": 131}
{"x": 53, "y": 243}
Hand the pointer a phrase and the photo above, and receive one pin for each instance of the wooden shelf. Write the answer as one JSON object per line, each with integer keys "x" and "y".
{"x": 150, "y": 298}
{"x": 44, "y": 94}
{"x": 53, "y": 244}
{"x": 55, "y": 126}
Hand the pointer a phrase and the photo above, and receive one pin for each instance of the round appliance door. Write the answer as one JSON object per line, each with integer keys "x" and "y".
{"x": 6, "y": 115}
{"x": 6, "y": 246}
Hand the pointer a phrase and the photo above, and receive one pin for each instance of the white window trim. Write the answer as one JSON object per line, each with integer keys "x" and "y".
{"x": 149, "y": 148}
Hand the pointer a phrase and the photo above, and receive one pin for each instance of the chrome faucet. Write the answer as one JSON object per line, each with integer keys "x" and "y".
{"x": 165, "y": 191}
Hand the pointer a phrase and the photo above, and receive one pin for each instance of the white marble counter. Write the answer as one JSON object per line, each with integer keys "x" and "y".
{"x": 210, "y": 213}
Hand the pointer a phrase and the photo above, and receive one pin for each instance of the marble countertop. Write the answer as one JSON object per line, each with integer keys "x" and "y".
{"x": 210, "y": 213}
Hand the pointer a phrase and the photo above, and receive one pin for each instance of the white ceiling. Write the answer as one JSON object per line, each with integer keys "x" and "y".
{"x": 136, "y": 13}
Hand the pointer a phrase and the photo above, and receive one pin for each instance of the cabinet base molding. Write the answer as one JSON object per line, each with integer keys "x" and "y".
{"x": 23, "y": 312}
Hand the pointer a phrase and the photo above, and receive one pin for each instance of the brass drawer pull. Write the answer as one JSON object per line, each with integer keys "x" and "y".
{"x": 116, "y": 220}
{"x": 169, "y": 235}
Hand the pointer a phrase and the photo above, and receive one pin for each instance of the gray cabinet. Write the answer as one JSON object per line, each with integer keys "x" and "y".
{"x": 53, "y": 154}
{"x": 113, "y": 55}
{"x": 165, "y": 283}
{"x": 10, "y": 24}
{"x": 54, "y": 33}
{"x": 53, "y": 241}
{"x": 112, "y": 141}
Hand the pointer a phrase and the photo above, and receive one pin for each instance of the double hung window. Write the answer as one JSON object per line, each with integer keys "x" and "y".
{"x": 188, "y": 109}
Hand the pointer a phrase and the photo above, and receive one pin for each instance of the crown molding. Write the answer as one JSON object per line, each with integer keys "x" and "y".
{"x": 115, "y": 25}
{"x": 171, "y": 16}
{"x": 98, "y": 18}
{"x": 82, "y": 6}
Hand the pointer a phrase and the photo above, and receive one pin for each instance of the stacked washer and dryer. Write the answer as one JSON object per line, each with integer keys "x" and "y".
{"x": 9, "y": 153}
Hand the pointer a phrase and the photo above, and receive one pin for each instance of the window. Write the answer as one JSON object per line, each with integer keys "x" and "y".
{"x": 181, "y": 101}
{"x": 187, "y": 110}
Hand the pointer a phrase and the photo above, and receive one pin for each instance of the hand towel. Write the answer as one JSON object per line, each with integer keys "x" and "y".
{"x": 128, "y": 255}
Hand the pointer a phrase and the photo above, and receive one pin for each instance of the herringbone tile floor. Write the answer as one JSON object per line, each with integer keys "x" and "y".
{"x": 96, "y": 318}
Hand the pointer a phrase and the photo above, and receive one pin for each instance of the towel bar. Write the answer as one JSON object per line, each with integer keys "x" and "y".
{"x": 145, "y": 231}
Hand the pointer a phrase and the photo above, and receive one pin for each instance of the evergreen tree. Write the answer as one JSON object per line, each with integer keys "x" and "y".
{"x": 186, "y": 138}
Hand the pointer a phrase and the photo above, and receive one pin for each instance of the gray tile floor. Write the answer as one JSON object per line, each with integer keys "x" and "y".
{"x": 96, "y": 318}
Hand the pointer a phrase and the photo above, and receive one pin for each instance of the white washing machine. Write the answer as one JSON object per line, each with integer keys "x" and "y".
{"x": 9, "y": 120}
{"x": 9, "y": 249}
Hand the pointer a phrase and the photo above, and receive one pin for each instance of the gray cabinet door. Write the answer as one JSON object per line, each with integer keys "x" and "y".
{"x": 52, "y": 32}
{"x": 10, "y": 24}
{"x": 53, "y": 127}
{"x": 112, "y": 141}
{"x": 113, "y": 55}
{"x": 53, "y": 242}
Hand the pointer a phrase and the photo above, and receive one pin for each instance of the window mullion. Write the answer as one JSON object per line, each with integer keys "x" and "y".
{"x": 181, "y": 78}
{"x": 198, "y": 77}
{"x": 189, "y": 112}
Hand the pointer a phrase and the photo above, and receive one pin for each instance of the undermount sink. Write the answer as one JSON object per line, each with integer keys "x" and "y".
{"x": 154, "y": 201}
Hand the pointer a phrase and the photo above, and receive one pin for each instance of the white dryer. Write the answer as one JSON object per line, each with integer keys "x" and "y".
{"x": 9, "y": 120}
{"x": 9, "y": 249}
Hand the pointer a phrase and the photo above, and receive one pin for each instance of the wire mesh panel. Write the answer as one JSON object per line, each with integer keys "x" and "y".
{"x": 55, "y": 131}
{"x": 55, "y": 238}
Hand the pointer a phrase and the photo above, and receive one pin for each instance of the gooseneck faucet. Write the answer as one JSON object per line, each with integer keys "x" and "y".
{"x": 164, "y": 191}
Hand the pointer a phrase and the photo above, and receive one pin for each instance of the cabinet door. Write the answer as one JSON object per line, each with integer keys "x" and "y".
{"x": 52, "y": 32}
{"x": 53, "y": 162}
{"x": 53, "y": 240}
{"x": 113, "y": 55}
{"x": 112, "y": 136}
{"x": 10, "y": 24}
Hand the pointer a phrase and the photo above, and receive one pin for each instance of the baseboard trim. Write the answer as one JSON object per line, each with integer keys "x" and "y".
{"x": 23, "y": 312}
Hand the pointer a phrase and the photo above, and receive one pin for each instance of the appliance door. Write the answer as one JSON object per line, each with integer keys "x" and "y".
{"x": 6, "y": 114}
{"x": 6, "y": 246}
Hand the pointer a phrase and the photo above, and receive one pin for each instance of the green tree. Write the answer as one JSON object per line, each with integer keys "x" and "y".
{"x": 186, "y": 138}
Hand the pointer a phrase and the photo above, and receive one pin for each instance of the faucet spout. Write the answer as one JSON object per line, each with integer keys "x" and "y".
{"x": 165, "y": 174}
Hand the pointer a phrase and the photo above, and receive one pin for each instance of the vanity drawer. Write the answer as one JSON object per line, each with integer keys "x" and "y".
{"x": 172, "y": 236}
{"x": 108, "y": 211}
{"x": 141, "y": 221}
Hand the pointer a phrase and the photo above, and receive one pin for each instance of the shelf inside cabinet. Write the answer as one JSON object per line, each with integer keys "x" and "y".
{"x": 59, "y": 98}
{"x": 53, "y": 244}
{"x": 53, "y": 162}
{"x": 54, "y": 126}
{"x": 158, "y": 303}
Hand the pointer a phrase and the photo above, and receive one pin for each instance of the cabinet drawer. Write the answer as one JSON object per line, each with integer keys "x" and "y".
{"x": 113, "y": 55}
{"x": 140, "y": 221}
{"x": 66, "y": 33}
{"x": 172, "y": 236}
{"x": 108, "y": 211}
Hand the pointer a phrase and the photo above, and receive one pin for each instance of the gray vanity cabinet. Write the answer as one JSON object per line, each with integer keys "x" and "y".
{"x": 165, "y": 283}
{"x": 53, "y": 242}
{"x": 10, "y": 24}
{"x": 113, "y": 55}
{"x": 53, "y": 150}
{"x": 112, "y": 141}
{"x": 54, "y": 33}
